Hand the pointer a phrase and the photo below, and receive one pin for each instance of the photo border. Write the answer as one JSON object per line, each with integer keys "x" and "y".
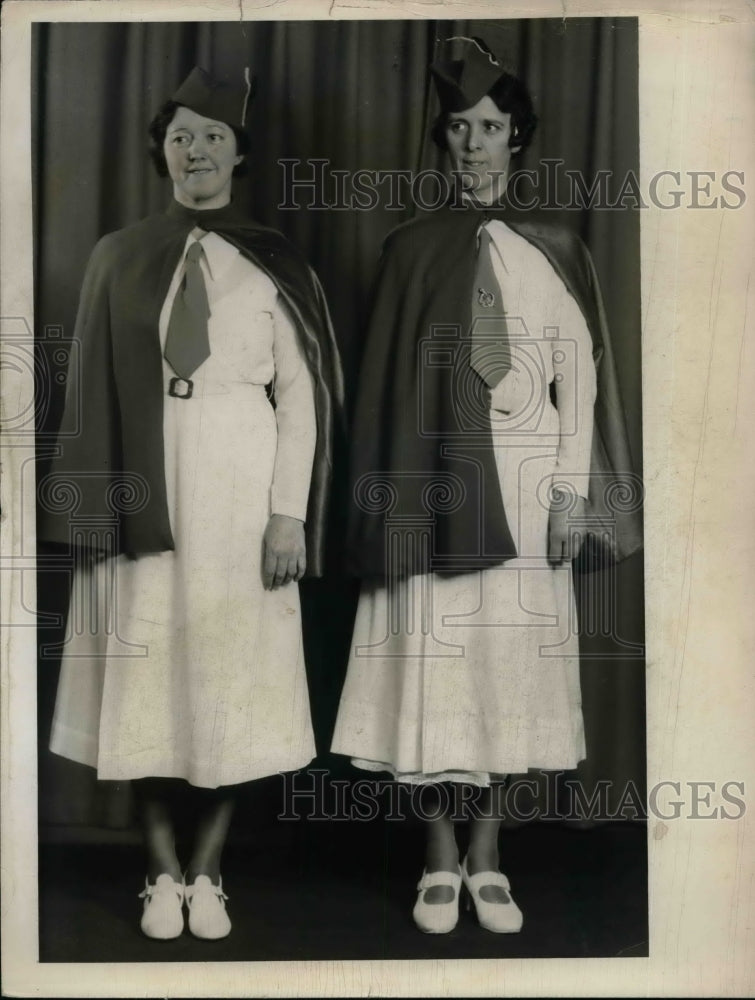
{"x": 697, "y": 112}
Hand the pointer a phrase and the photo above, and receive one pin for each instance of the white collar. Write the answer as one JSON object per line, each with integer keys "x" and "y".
{"x": 219, "y": 254}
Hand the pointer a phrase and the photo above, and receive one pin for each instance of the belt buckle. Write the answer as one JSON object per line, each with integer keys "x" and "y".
{"x": 178, "y": 383}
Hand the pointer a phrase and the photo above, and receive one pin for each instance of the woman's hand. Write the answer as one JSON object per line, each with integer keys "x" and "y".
{"x": 564, "y": 536}
{"x": 284, "y": 553}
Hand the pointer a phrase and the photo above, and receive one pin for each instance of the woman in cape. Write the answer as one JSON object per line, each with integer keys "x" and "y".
{"x": 477, "y": 444}
{"x": 196, "y": 445}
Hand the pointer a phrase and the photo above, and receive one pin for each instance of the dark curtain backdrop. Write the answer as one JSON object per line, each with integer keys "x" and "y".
{"x": 354, "y": 93}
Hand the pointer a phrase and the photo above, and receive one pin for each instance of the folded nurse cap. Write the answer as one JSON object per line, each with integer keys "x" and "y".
{"x": 461, "y": 83}
{"x": 223, "y": 100}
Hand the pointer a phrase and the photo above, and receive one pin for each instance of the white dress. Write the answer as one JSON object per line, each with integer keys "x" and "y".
{"x": 191, "y": 669}
{"x": 477, "y": 675}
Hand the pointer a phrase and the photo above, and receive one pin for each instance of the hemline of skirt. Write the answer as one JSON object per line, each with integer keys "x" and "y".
{"x": 481, "y": 779}
{"x": 77, "y": 748}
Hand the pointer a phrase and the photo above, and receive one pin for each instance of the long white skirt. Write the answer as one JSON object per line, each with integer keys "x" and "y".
{"x": 181, "y": 664}
{"x": 476, "y": 675}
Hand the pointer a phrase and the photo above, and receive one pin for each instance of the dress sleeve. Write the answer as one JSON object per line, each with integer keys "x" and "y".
{"x": 297, "y": 422}
{"x": 576, "y": 386}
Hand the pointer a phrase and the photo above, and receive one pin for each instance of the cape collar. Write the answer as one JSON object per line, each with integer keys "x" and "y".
{"x": 462, "y": 202}
{"x": 208, "y": 218}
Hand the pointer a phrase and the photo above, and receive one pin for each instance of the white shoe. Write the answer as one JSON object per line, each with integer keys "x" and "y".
{"x": 437, "y": 918}
{"x": 207, "y": 914}
{"x": 501, "y": 918}
{"x": 163, "y": 914}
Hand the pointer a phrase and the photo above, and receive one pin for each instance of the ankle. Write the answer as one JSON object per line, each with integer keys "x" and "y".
{"x": 210, "y": 869}
{"x": 157, "y": 867}
{"x": 482, "y": 858}
{"x": 441, "y": 857}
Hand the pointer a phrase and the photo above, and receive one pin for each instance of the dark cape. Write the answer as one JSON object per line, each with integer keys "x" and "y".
{"x": 106, "y": 487}
{"x": 424, "y": 483}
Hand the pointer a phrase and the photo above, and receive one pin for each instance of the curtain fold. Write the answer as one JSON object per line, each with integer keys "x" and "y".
{"x": 357, "y": 95}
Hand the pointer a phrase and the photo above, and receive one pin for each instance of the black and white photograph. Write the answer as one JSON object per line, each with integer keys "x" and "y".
{"x": 347, "y": 504}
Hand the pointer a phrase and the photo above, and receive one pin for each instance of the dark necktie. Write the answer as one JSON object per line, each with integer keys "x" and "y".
{"x": 187, "y": 344}
{"x": 490, "y": 353}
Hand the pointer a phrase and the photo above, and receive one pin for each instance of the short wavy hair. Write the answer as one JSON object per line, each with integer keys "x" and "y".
{"x": 158, "y": 128}
{"x": 511, "y": 97}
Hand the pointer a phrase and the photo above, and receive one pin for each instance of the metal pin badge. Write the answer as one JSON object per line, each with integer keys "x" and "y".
{"x": 485, "y": 299}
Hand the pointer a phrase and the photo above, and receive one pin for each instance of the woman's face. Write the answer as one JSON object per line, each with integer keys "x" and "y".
{"x": 201, "y": 154}
{"x": 478, "y": 143}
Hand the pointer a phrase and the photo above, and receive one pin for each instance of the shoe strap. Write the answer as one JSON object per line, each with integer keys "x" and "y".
{"x": 205, "y": 887}
{"x": 151, "y": 890}
{"x": 428, "y": 880}
{"x": 475, "y": 882}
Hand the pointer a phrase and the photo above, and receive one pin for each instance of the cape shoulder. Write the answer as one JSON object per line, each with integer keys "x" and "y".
{"x": 433, "y": 234}
{"x": 114, "y": 253}
{"x": 153, "y": 232}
